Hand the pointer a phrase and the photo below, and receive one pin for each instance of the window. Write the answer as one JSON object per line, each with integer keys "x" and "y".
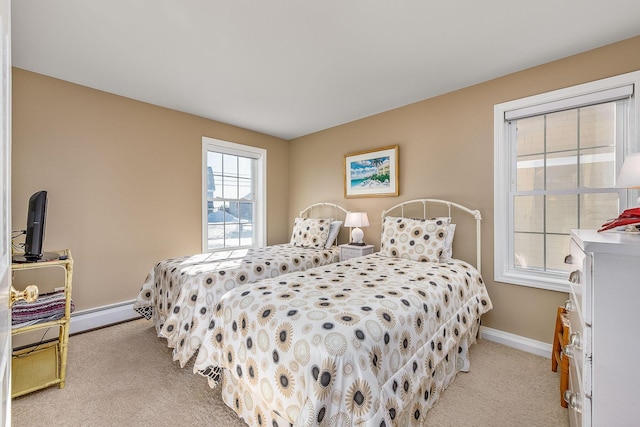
{"x": 234, "y": 195}
{"x": 557, "y": 156}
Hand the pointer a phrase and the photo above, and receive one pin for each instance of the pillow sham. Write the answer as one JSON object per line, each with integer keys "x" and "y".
{"x": 416, "y": 239}
{"x": 334, "y": 230}
{"x": 447, "y": 252}
{"x": 310, "y": 232}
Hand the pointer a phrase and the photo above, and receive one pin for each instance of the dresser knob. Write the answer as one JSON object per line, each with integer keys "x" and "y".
{"x": 574, "y": 277}
{"x": 574, "y": 339}
{"x": 573, "y": 400}
{"x": 568, "y": 259}
{"x": 568, "y": 350}
{"x": 568, "y": 306}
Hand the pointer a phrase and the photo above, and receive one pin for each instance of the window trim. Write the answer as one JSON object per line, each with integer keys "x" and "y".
{"x": 503, "y": 174}
{"x": 260, "y": 154}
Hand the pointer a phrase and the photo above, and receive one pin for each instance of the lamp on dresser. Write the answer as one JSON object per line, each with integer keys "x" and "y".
{"x": 629, "y": 178}
{"x": 630, "y": 173}
{"x": 357, "y": 220}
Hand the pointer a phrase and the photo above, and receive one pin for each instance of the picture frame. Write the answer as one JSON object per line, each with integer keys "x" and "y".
{"x": 371, "y": 173}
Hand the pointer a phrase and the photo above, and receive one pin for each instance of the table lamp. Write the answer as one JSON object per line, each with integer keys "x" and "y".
{"x": 357, "y": 220}
{"x": 629, "y": 177}
{"x": 630, "y": 173}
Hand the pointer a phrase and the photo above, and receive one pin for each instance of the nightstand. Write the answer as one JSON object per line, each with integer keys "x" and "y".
{"x": 350, "y": 251}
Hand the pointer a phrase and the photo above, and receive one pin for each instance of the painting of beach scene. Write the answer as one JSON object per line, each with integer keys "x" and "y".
{"x": 372, "y": 173}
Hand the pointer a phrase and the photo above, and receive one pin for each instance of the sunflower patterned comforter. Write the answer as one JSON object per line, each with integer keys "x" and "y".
{"x": 369, "y": 342}
{"x": 178, "y": 293}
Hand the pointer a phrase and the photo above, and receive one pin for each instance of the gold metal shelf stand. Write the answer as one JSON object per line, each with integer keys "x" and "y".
{"x": 43, "y": 365}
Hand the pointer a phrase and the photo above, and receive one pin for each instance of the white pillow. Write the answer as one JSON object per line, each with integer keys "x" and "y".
{"x": 447, "y": 252}
{"x": 333, "y": 233}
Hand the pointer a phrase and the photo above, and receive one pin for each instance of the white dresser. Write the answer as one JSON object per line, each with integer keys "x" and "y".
{"x": 604, "y": 345}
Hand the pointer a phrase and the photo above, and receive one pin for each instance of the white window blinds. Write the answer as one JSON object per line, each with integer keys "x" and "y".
{"x": 612, "y": 94}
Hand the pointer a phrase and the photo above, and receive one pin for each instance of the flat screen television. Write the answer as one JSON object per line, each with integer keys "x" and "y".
{"x": 34, "y": 241}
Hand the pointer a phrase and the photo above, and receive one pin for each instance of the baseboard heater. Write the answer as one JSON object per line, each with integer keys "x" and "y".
{"x": 86, "y": 320}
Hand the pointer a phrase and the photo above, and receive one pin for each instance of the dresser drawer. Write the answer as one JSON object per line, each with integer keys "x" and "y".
{"x": 574, "y": 396}
{"x": 577, "y": 335}
{"x": 578, "y": 350}
{"x": 580, "y": 281}
{"x": 349, "y": 251}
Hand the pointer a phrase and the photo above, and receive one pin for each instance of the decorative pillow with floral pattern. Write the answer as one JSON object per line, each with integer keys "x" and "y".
{"x": 416, "y": 239}
{"x": 310, "y": 232}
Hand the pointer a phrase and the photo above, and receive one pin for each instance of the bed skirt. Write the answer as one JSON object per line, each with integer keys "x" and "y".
{"x": 257, "y": 412}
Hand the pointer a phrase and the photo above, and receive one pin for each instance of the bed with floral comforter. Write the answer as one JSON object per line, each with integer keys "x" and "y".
{"x": 178, "y": 293}
{"x": 363, "y": 342}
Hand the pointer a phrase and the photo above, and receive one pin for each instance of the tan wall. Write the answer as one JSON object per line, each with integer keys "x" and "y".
{"x": 124, "y": 180}
{"x": 446, "y": 151}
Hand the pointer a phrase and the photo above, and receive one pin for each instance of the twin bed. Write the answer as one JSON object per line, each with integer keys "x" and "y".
{"x": 371, "y": 341}
{"x": 178, "y": 293}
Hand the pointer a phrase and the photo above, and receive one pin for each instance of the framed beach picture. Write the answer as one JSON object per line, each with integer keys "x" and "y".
{"x": 372, "y": 173}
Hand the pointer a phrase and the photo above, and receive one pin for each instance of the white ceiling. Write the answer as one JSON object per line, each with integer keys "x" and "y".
{"x": 292, "y": 67}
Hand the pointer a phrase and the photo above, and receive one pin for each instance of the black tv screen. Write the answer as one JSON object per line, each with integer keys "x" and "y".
{"x": 34, "y": 240}
{"x": 36, "y": 218}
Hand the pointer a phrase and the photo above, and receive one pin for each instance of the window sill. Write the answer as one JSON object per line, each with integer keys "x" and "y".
{"x": 560, "y": 284}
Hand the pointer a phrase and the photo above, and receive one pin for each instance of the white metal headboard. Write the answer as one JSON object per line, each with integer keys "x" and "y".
{"x": 449, "y": 205}
{"x": 326, "y": 209}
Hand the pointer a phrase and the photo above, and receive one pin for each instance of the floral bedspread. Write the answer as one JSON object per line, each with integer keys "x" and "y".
{"x": 178, "y": 293}
{"x": 354, "y": 343}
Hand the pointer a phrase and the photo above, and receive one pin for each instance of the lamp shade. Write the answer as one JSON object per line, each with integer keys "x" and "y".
{"x": 356, "y": 219}
{"x": 630, "y": 173}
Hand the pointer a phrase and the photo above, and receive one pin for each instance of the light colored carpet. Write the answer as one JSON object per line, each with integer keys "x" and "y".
{"x": 123, "y": 375}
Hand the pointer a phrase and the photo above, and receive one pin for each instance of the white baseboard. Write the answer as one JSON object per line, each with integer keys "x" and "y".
{"x": 99, "y": 317}
{"x": 516, "y": 341}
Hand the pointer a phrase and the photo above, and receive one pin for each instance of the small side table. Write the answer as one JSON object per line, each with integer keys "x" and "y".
{"x": 43, "y": 365}
{"x": 351, "y": 251}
